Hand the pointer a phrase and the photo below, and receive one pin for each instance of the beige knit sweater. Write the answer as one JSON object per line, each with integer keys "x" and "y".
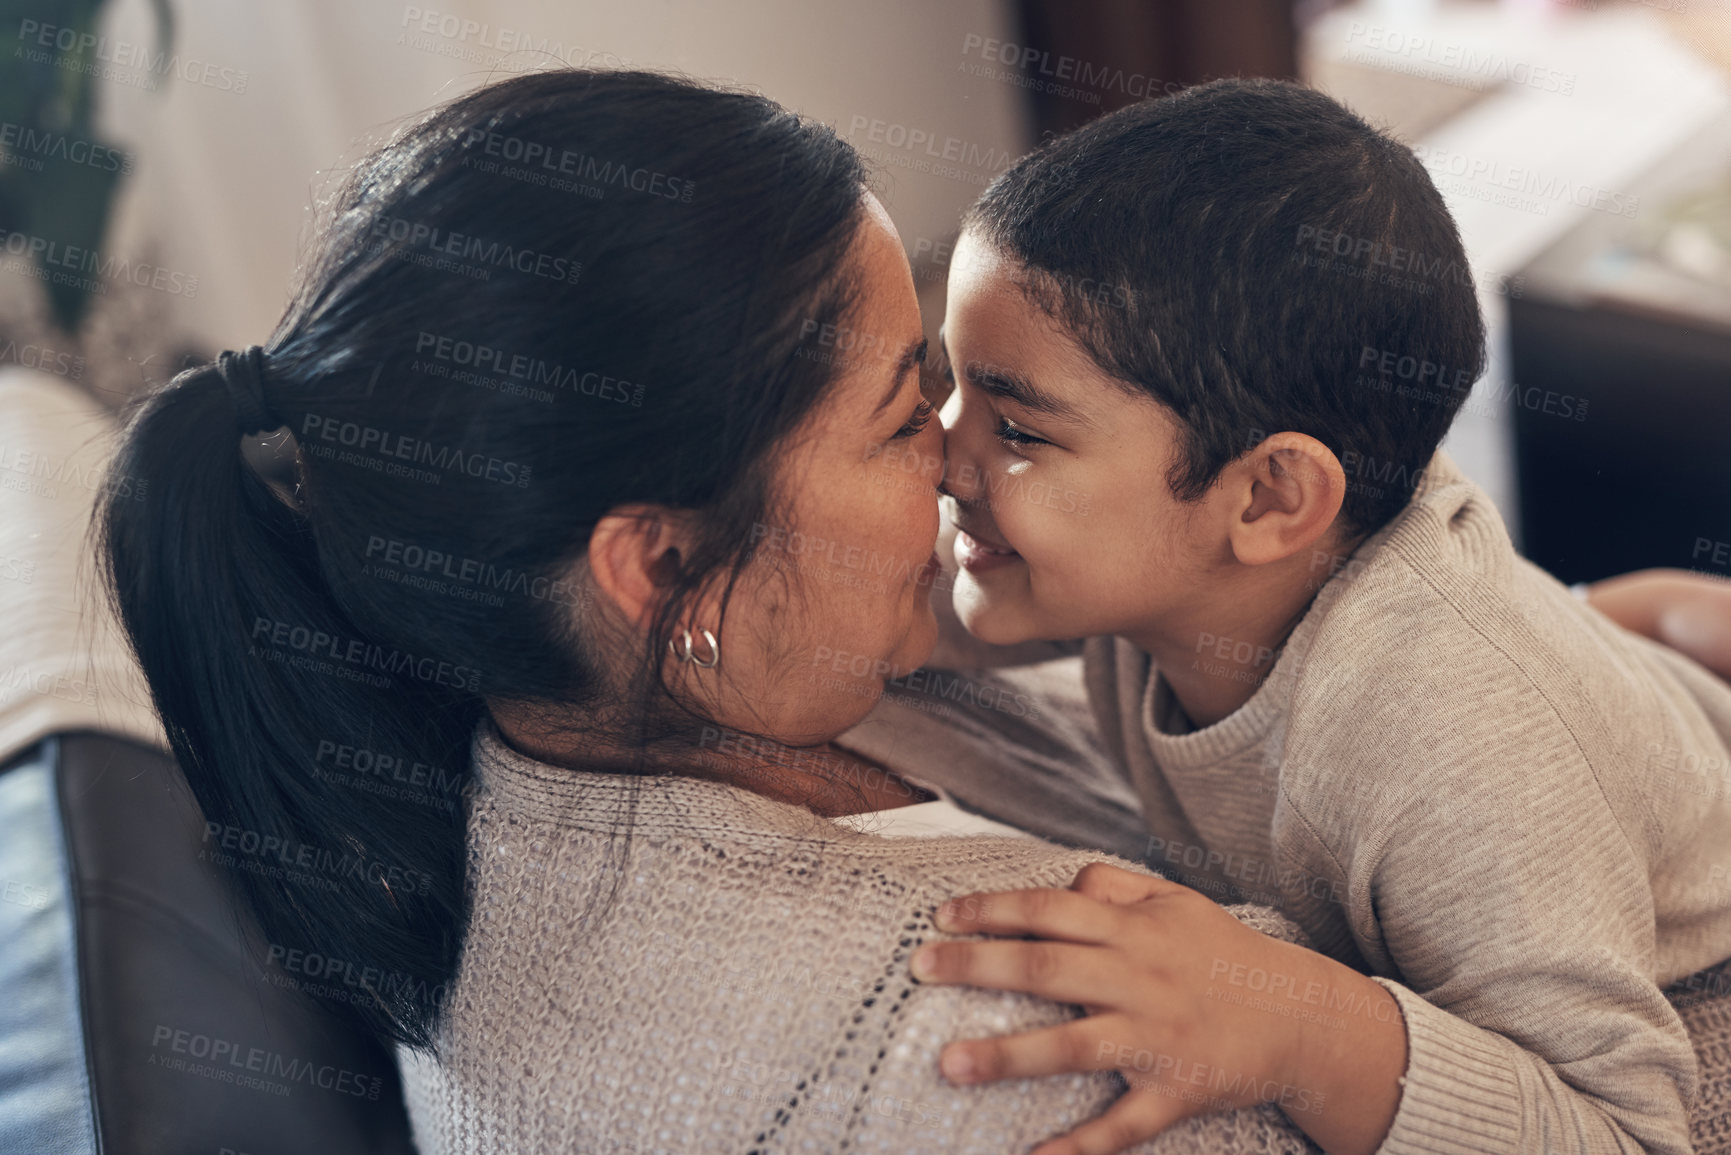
{"x": 674, "y": 965}
{"x": 1458, "y": 778}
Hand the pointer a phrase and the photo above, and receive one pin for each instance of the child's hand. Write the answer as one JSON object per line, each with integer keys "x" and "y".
{"x": 1179, "y": 994}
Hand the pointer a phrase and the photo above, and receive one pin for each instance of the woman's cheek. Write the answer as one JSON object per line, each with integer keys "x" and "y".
{"x": 925, "y": 515}
{"x": 920, "y": 524}
{"x": 906, "y": 510}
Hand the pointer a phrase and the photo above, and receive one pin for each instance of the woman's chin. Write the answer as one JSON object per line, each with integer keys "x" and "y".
{"x": 922, "y": 639}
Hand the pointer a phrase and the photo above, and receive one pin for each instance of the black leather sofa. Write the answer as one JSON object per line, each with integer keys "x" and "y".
{"x": 139, "y": 1013}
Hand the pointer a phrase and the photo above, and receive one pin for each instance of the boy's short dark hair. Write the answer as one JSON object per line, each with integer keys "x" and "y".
{"x": 1256, "y": 258}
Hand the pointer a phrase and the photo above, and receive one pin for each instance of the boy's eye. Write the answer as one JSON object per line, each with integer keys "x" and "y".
{"x": 1008, "y": 433}
{"x": 921, "y": 418}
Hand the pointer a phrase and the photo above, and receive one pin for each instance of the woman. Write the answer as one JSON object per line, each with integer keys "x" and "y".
{"x": 594, "y": 378}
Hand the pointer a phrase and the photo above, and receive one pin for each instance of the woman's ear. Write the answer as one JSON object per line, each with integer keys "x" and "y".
{"x": 635, "y": 554}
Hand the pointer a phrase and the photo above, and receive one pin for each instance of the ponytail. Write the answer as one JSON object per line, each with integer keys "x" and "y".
{"x": 262, "y": 682}
{"x": 462, "y": 427}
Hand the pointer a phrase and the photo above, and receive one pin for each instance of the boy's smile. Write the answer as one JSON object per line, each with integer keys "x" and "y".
{"x": 1057, "y": 479}
{"x": 977, "y": 551}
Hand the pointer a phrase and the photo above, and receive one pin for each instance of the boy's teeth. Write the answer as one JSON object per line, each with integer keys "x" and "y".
{"x": 984, "y": 548}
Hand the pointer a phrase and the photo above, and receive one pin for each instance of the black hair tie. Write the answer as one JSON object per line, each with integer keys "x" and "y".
{"x": 243, "y": 373}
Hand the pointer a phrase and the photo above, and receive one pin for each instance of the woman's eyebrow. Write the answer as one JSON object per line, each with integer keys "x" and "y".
{"x": 911, "y": 358}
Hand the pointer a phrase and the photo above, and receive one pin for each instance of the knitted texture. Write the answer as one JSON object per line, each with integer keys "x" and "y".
{"x": 1704, "y": 1001}
{"x": 1461, "y": 779}
{"x": 674, "y": 965}
{"x": 1455, "y": 776}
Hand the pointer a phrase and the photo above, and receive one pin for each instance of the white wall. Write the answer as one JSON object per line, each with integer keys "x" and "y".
{"x": 224, "y": 177}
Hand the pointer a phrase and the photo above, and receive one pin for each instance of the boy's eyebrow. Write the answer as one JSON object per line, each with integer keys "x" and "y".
{"x": 1005, "y": 383}
{"x": 1012, "y": 386}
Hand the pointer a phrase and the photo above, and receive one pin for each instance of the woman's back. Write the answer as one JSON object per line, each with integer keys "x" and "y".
{"x": 670, "y": 964}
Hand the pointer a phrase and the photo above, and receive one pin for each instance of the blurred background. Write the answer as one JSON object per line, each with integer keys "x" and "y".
{"x": 161, "y": 164}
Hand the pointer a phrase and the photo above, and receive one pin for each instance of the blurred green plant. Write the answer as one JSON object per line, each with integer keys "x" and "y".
{"x": 47, "y": 110}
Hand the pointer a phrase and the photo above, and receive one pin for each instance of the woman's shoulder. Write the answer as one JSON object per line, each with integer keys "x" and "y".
{"x": 578, "y": 806}
{"x": 748, "y": 846}
{"x": 751, "y": 851}
{"x": 744, "y": 965}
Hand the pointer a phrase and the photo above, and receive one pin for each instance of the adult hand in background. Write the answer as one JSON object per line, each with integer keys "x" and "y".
{"x": 1690, "y": 612}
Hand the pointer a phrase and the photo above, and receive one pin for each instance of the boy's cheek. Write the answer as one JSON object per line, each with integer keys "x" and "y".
{"x": 1001, "y": 607}
{"x": 1102, "y": 573}
{"x": 997, "y": 615}
{"x": 1040, "y": 514}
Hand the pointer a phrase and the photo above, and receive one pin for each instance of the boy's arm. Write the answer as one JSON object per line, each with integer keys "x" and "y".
{"x": 1018, "y": 745}
{"x": 1521, "y": 921}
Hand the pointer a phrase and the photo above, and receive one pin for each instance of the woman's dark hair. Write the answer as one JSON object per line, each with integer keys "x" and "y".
{"x": 557, "y": 295}
{"x": 1256, "y": 258}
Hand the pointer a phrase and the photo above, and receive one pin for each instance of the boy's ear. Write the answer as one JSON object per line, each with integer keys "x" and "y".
{"x": 1283, "y": 496}
{"x": 635, "y": 553}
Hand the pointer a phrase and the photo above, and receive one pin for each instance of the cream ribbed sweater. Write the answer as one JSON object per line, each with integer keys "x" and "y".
{"x": 1457, "y": 777}
{"x": 674, "y": 965}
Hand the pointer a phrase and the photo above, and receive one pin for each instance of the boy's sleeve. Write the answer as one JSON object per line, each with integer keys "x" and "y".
{"x": 1018, "y": 745}
{"x": 1521, "y": 921}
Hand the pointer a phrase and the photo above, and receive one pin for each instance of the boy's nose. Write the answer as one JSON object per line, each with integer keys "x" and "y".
{"x": 946, "y": 482}
{"x": 961, "y": 481}
{"x": 944, "y": 473}
{"x": 960, "y": 478}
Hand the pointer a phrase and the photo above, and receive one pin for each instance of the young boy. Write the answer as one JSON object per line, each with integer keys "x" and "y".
{"x": 1233, "y": 327}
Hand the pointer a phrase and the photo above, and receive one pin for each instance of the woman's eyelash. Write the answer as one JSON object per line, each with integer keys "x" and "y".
{"x": 1007, "y": 432}
{"x": 921, "y": 418}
